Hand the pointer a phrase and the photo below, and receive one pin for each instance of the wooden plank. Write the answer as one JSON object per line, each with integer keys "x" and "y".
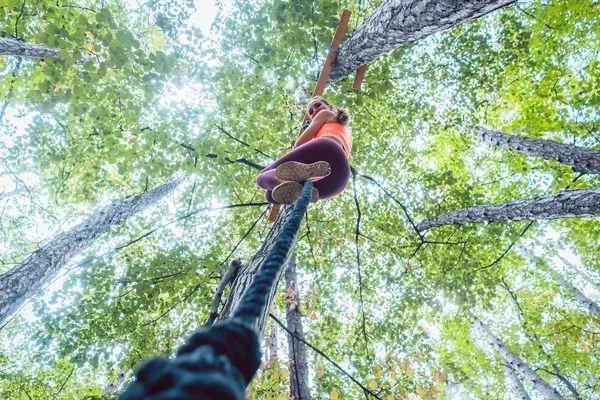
{"x": 335, "y": 44}
{"x": 323, "y": 77}
{"x": 360, "y": 75}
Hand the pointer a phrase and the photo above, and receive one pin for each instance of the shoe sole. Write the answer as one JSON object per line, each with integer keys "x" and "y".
{"x": 290, "y": 192}
{"x": 295, "y": 171}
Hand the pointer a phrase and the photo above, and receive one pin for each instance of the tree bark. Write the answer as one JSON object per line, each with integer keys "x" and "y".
{"x": 582, "y": 159}
{"x": 246, "y": 274}
{"x": 299, "y": 389}
{"x": 18, "y": 48}
{"x": 516, "y": 363}
{"x": 273, "y": 345}
{"x": 513, "y": 381}
{"x": 23, "y": 281}
{"x": 398, "y": 23}
{"x": 115, "y": 387}
{"x": 567, "y": 204}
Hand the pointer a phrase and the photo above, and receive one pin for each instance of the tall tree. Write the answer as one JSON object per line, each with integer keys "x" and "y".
{"x": 18, "y": 48}
{"x": 568, "y": 204}
{"x": 23, "y": 281}
{"x": 247, "y": 271}
{"x": 588, "y": 304}
{"x": 516, "y": 363}
{"x": 398, "y": 23}
{"x": 513, "y": 380}
{"x": 582, "y": 159}
{"x": 299, "y": 389}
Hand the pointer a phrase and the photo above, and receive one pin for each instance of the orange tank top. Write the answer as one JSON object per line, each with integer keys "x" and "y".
{"x": 339, "y": 131}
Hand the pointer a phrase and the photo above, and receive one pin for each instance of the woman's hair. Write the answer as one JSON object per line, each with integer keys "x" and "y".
{"x": 341, "y": 114}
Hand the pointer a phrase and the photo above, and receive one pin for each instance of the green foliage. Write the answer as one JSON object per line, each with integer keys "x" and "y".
{"x": 160, "y": 97}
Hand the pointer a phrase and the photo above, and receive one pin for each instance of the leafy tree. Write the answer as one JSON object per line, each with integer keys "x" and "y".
{"x": 389, "y": 305}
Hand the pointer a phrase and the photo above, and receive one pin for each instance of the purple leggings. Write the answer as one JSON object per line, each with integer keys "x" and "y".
{"x": 322, "y": 149}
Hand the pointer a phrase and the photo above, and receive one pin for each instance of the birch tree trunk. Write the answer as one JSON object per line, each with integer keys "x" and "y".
{"x": 398, "y": 23}
{"x": 585, "y": 301}
{"x": 115, "y": 387}
{"x": 582, "y": 159}
{"x": 567, "y": 204}
{"x": 23, "y": 281}
{"x": 246, "y": 274}
{"x": 299, "y": 389}
{"x": 273, "y": 345}
{"x": 581, "y": 272}
{"x": 18, "y": 48}
{"x": 516, "y": 363}
{"x": 515, "y": 383}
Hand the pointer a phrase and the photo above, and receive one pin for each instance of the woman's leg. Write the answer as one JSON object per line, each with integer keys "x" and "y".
{"x": 321, "y": 149}
{"x": 335, "y": 183}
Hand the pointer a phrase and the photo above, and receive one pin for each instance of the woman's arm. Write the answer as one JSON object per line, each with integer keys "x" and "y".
{"x": 316, "y": 124}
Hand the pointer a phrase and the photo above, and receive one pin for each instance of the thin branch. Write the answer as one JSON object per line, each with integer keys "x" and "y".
{"x": 534, "y": 17}
{"x": 404, "y": 209}
{"x": 246, "y": 235}
{"x": 366, "y": 390}
{"x": 171, "y": 308}
{"x": 360, "y": 284}
{"x": 185, "y": 217}
{"x": 191, "y": 199}
{"x": 78, "y": 7}
{"x": 497, "y": 260}
{"x": 241, "y": 141}
{"x": 65, "y": 382}
{"x": 10, "y": 88}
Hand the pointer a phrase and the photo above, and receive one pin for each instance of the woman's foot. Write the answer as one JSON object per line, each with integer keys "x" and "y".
{"x": 290, "y": 192}
{"x": 299, "y": 172}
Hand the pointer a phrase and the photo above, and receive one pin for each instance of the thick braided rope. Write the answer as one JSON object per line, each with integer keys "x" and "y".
{"x": 255, "y": 298}
{"x": 219, "y": 362}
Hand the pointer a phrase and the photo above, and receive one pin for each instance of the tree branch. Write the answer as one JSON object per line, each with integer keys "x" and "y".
{"x": 229, "y": 276}
{"x": 366, "y": 390}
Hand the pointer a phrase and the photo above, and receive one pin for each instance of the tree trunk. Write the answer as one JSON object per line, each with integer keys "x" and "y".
{"x": 18, "y": 48}
{"x": 516, "y": 363}
{"x": 115, "y": 387}
{"x": 582, "y": 159}
{"x": 10, "y": 194}
{"x": 398, "y": 23}
{"x": 246, "y": 274}
{"x": 273, "y": 345}
{"x": 581, "y": 272}
{"x": 299, "y": 389}
{"x": 567, "y": 204}
{"x": 512, "y": 380}
{"x": 585, "y": 301}
{"x": 23, "y": 281}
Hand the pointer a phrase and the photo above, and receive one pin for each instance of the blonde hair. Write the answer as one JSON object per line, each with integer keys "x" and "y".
{"x": 341, "y": 114}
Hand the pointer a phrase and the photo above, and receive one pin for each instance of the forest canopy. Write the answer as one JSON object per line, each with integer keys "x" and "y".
{"x": 137, "y": 108}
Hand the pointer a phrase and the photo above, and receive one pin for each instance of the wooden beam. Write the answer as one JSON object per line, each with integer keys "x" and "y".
{"x": 323, "y": 76}
{"x": 360, "y": 75}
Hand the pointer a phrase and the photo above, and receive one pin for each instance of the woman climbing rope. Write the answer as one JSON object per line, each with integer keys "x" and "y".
{"x": 321, "y": 155}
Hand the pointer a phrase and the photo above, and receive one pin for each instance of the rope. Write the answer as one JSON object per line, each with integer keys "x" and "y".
{"x": 219, "y": 362}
